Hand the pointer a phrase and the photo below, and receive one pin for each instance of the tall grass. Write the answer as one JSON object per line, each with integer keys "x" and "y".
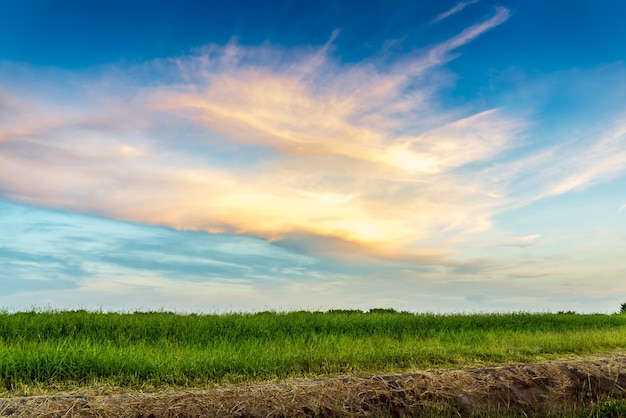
{"x": 158, "y": 349}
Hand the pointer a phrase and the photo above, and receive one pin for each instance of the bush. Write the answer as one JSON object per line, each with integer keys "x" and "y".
{"x": 623, "y": 308}
{"x": 383, "y": 311}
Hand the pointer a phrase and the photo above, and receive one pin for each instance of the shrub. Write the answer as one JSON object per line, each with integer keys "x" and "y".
{"x": 383, "y": 311}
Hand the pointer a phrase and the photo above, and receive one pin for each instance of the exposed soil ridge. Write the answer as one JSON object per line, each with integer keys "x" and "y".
{"x": 543, "y": 389}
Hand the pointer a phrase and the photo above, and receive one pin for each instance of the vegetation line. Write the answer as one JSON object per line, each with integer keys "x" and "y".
{"x": 49, "y": 351}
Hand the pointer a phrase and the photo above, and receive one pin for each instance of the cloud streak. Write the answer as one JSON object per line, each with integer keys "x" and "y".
{"x": 456, "y": 9}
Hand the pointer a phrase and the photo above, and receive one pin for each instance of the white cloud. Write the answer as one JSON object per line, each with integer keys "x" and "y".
{"x": 462, "y": 5}
{"x": 604, "y": 159}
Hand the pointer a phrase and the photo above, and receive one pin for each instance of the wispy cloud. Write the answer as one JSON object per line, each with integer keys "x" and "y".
{"x": 572, "y": 165}
{"x": 288, "y": 145}
{"x": 523, "y": 242}
{"x": 276, "y": 143}
{"x": 462, "y": 5}
{"x": 440, "y": 53}
{"x": 604, "y": 159}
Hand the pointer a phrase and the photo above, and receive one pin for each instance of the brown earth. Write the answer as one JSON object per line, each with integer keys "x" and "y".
{"x": 546, "y": 389}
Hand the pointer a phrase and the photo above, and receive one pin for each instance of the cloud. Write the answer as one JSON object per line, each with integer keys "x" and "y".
{"x": 523, "y": 242}
{"x": 66, "y": 260}
{"x": 621, "y": 209}
{"x": 603, "y": 160}
{"x": 467, "y": 35}
{"x": 264, "y": 142}
{"x": 132, "y": 290}
{"x": 287, "y": 145}
{"x": 565, "y": 148}
{"x": 42, "y": 249}
{"x": 577, "y": 163}
{"x": 440, "y": 53}
{"x": 462, "y": 5}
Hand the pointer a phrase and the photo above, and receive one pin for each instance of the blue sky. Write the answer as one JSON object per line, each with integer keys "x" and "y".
{"x": 199, "y": 156}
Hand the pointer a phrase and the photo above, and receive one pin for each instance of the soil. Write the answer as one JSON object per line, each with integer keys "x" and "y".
{"x": 563, "y": 388}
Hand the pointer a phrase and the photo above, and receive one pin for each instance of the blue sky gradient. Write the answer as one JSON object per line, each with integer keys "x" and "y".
{"x": 199, "y": 156}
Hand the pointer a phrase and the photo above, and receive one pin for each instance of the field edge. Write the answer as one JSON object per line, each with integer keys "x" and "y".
{"x": 555, "y": 388}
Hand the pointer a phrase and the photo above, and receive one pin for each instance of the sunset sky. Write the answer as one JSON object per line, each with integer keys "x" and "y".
{"x": 200, "y": 156}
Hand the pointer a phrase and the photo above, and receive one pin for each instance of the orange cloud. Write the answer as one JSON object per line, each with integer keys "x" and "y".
{"x": 346, "y": 153}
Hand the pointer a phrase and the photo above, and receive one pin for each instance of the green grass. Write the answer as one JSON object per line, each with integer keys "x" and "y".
{"x": 613, "y": 408}
{"x": 156, "y": 350}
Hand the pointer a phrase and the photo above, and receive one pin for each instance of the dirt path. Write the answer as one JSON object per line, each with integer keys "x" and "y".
{"x": 546, "y": 389}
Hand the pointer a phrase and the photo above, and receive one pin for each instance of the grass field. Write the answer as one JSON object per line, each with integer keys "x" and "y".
{"x": 52, "y": 351}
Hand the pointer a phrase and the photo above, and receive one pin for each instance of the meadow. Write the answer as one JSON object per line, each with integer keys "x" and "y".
{"x": 46, "y": 351}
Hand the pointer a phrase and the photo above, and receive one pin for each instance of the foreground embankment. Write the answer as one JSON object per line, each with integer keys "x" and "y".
{"x": 580, "y": 388}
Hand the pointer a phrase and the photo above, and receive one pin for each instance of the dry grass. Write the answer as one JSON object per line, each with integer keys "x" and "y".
{"x": 566, "y": 388}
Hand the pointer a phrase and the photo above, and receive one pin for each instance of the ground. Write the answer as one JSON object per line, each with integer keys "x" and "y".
{"x": 562, "y": 388}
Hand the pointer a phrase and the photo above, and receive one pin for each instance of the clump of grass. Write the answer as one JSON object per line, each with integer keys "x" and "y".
{"x": 612, "y": 408}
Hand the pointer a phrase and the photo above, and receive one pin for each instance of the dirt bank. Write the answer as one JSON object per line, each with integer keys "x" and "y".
{"x": 546, "y": 389}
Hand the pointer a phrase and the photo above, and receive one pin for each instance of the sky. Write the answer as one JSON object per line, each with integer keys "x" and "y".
{"x": 198, "y": 156}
